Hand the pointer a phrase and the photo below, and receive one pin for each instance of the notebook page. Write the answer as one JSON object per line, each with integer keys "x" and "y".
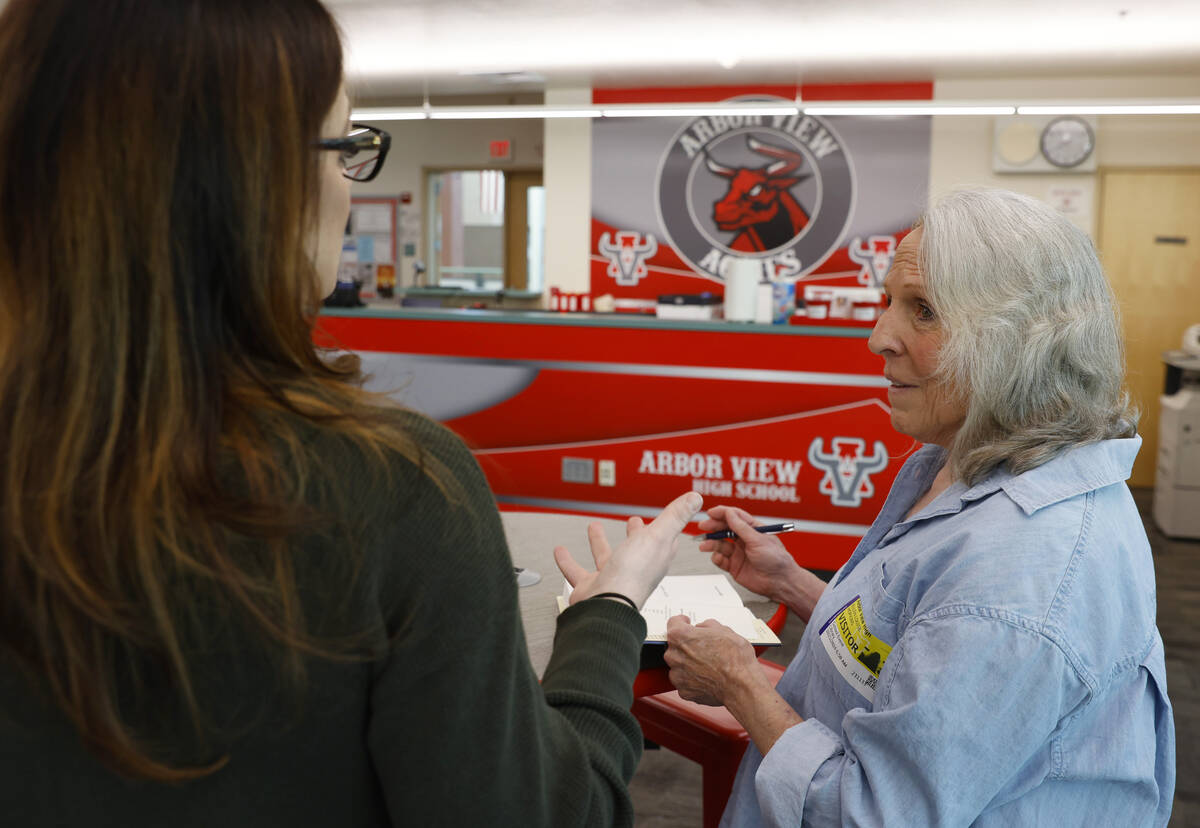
{"x": 699, "y": 597}
{"x": 739, "y": 619}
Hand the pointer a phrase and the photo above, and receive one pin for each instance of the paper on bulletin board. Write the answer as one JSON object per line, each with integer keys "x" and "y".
{"x": 383, "y": 249}
{"x": 372, "y": 218}
{"x": 366, "y": 248}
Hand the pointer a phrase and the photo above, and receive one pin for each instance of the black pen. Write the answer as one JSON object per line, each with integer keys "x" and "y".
{"x": 770, "y": 529}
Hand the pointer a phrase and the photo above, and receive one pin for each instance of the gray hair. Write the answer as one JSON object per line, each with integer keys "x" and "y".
{"x": 1032, "y": 338}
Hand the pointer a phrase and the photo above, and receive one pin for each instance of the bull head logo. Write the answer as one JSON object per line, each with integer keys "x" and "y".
{"x": 848, "y": 472}
{"x": 627, "y": 258}
{"x": 875, "y": 257}
{"x": 759, "y": 205}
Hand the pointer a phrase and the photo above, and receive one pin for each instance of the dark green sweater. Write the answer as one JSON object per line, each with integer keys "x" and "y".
{"x": 449, "y": 726}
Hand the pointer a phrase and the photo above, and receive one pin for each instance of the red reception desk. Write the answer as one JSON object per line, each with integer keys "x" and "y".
{"x": 615, "y": 415}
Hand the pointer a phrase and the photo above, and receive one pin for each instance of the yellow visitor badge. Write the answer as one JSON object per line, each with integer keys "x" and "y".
{"x": 857, "y": 655}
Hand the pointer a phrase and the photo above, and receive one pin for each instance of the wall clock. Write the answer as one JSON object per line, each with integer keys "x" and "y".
{"x": 1056, "y": 144}
{"x": 1067, "y": 141}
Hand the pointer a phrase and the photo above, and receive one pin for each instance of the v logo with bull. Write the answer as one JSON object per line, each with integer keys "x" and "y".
{"x": 874, "y": 257}
{"x": 848, "y": 470}
{"x": 627, "y": 258}
{"x": 759, "y": 206}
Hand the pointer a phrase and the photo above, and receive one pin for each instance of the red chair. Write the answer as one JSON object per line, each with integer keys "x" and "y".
{"x": 709, "y": 736}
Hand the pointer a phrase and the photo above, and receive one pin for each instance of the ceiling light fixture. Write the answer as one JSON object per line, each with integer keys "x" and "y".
{"x": 1183, "y": 106}
{"x": 907, "y": 108}
{"x": 462, "y": 113}
{"x": 406, "y": 113}
{"x": 1112, "y": 108}
{"x": 698, "y": 110}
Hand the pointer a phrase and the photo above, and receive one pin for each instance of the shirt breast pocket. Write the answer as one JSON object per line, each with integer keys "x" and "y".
{"x": 888, "y": 612}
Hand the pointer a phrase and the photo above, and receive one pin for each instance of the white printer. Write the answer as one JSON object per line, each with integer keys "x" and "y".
{"x": 1177, "y": 479}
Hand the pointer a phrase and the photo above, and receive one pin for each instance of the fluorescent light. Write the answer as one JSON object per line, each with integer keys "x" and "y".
{"x": 698, "y": 110}
{"x": 849, "y": 108}
{"x": 412, "y": 113}
{"x": 471, "y": 113}
{"x": 1102, "y": 108}
{"x": 908, "y": 109}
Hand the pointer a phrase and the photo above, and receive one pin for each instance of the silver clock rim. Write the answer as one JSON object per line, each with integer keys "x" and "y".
{"x": 1091, "y": 147}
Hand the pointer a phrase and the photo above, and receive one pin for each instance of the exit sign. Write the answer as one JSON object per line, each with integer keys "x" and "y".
{"x": 500, "y": 150}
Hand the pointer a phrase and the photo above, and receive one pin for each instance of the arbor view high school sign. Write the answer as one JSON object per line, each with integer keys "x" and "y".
{"x": 674, "y": 201}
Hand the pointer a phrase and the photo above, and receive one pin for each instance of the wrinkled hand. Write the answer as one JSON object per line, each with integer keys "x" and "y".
{"x": 708, "y": 660}
{"x": 760, "y": 563}
{"x": 638, "y": 563}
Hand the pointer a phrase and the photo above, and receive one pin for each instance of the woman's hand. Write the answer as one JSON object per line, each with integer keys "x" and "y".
{"x": 760, "y": 563}
{"x": 636, "y": 566}
{"x": 709, "y": 662}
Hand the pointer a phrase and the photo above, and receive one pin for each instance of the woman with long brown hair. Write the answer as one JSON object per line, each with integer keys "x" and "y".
{"x": 234, "y": 587}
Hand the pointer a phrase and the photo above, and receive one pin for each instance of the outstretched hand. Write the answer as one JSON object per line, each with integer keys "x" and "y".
{"x": 638, "y": 563}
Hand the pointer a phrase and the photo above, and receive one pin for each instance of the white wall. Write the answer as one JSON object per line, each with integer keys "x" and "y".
{"x": 421, "y": 145}
{"x": 567, "y": 175}
{"x": 961, "y": 152}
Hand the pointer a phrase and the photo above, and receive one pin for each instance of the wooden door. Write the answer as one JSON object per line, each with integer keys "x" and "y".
{"x": 1149, "y": 242}
{"x": 516, "y": 227}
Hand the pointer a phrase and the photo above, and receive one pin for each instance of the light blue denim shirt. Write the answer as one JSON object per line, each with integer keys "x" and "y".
{"x": 991, "y": 661}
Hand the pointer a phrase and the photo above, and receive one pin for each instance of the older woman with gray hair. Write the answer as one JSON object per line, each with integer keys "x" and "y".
{"x": 988, "y": 655}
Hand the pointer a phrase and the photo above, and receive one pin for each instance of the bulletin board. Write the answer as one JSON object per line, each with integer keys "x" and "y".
{"x": 370, "y": 246}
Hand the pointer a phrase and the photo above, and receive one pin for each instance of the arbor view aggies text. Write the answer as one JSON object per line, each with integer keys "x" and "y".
{"x": 777, "y": 189}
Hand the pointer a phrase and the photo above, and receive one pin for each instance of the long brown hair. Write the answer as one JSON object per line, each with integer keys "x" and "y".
{"x": 157, "y": 186}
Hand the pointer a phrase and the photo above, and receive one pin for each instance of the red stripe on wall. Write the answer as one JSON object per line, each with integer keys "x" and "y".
{"x": 907, "y": 91}
{"x": 913, "y": 91}
{"x": 686, "y": 94}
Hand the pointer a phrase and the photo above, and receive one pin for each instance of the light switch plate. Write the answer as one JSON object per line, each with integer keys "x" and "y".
{"x": 607, "y": 473}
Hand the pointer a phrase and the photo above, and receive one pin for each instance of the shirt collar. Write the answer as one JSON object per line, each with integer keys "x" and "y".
{"x": 1082, "y": 469}
{"x": 1075, "y": 471}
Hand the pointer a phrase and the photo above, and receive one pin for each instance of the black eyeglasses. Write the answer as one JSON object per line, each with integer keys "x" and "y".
{"x": 363, "y": 151}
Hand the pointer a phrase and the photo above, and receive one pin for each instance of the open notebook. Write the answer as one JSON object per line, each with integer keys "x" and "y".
{"x": 699, "y": 597}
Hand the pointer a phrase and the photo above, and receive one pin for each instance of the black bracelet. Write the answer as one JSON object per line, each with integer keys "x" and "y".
{"x": 618, "y": 595}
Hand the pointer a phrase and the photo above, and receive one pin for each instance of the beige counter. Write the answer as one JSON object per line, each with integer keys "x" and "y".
{"x": 532, "y": 538}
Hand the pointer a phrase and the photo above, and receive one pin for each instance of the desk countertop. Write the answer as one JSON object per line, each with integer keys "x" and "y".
{"x": 532, "y": 538}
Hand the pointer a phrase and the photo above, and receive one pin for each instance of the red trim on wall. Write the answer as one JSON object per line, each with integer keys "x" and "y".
{"x": 687, "y": 94}
{"x": 910, "y": 91}
{"x": 906, "y": 91}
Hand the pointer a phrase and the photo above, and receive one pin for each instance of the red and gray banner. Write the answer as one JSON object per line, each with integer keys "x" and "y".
{"x": 822, "y": 199}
